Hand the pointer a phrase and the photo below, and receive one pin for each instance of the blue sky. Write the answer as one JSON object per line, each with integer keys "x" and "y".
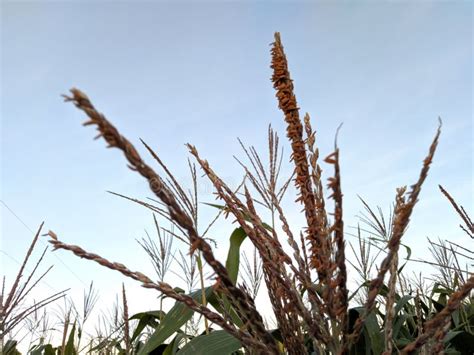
{"x": 173, "y": 73}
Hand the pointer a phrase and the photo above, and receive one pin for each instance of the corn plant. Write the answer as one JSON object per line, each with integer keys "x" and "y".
{"x": 304, "y": 271}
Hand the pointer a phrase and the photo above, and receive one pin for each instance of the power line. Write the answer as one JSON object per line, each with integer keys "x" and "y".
{"x": 29, "y": 271}
{"x": 44, "y": 243}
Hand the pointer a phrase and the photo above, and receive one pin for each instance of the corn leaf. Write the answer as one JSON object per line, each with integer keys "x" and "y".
{"x": 172, "y": 322}
{"x": 69, "y": 350}
{"x": 150, "y": 318}
{"x": 218, "y": 342}
{"x": 233, "y": 257}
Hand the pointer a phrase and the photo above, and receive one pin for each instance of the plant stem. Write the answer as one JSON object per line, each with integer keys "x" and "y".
{"x": 203, "y": 291}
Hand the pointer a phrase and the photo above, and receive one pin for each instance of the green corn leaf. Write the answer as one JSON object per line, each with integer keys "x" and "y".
{"x": 401, "y": 303}
{"x": 402, "y": 342}
{"x": 222, "y": 305}
{"x": 218, "y": 342}
{"x": 372, "y": 334}
{"x": 233, "y": 257}
{"x": 150, "y": 318}
{"x": 373, "y": 331}
{"x": 172, "y": 322}
{"x": 9, "y": 348}
{"x": 49, "y": 350}
{"x": 232, "y": 266}
{"x": 456, "y": 318}
{"x": 461, "y": 340}
{"x": 398, "y": 324}
{"x": 450, "y": 335}
{"x": 172, "y": 347}
{"x": 69, "y": 350}
{"x": 42, "y": 349}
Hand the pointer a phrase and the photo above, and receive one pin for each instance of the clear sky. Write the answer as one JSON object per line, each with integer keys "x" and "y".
{"x": 173, "y": 73}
